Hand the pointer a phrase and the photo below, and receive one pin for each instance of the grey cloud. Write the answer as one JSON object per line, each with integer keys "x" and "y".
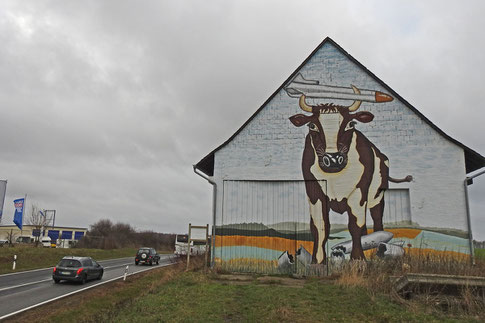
{"x": 105, "y": 105}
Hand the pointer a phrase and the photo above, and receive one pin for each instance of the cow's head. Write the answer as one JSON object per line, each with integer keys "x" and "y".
{"x": 331, "y": 128}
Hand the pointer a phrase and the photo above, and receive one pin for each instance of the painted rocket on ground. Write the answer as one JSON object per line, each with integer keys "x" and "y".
{"x": 369, "y": 241}
{"x": 378, "y": 239}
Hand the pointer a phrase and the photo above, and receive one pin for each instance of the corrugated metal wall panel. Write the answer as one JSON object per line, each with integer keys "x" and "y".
{"x": 397, "y": 207}
{"x": 260, "y": 221}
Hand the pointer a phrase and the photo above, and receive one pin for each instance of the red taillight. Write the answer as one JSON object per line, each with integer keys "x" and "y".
{"x": 80, "y": 270}
{"x": 54, "y": 270}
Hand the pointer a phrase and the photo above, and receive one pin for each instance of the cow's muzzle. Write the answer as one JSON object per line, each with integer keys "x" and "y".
{"x": 333, "y": 162}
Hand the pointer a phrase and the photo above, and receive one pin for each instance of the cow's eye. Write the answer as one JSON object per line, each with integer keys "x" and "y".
{"x": 350, "y": 125}
{"x": 312, "y": 126}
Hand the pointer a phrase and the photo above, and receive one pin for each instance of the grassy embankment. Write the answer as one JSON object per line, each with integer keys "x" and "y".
{"x": 480, "y": 254}
{"x": 32, "y": 258}
{"x": 171, "y": 295}
{"x": 360, "y": 293}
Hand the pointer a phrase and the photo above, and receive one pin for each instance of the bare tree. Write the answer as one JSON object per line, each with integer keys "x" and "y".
{"x": 106, "y": 235}
{"x": 38, "y": 220}
{"x": 11, "y": 237}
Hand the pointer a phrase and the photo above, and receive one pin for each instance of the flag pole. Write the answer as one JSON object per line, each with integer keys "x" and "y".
{"x": 2, "y": 202}
{"x": 23, "y": 210}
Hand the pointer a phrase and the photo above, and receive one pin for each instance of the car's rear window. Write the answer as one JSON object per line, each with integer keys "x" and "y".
{"x": 143, "y": 251}
{"x": 69, "y": 263}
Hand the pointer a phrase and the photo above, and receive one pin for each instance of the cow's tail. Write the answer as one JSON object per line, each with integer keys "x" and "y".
{"x": 401, "y": 180}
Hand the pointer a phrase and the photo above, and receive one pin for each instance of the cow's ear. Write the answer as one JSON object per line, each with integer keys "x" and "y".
{"x": 299, "y": 119}
{"x": 364, "y": 116}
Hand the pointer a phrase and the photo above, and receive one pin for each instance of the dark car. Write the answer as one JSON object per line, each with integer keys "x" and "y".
{"x": 147, "y": 256}
{"x": 80, "y": 269}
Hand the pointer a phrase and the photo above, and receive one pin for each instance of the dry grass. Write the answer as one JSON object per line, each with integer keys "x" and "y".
{"x": 364, "y": 293}
{"x": 284, "y": 314}
{"x": 247, "y": 265}
{"x": 353, "y": 274}
{"x": 377, "y": 277}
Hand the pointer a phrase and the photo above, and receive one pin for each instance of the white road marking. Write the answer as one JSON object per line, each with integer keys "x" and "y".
{"x": 77, "y": 291}
{"x": 44, "y": 280}
{"x": 28, "y": 271}
{"x": 26, "y": 284}
{"x": 121, "y": 265}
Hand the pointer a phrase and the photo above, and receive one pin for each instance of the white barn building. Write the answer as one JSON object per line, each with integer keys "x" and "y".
{"x": 261, "y": 206}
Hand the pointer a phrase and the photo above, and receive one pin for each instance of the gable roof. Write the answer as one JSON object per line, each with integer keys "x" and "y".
{"x": 473, "y": 160}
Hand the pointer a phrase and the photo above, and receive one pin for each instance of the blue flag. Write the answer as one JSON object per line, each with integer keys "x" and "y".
{"x": 19, "y": 212}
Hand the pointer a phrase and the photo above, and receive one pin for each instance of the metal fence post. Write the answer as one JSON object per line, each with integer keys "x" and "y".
{"x": 206, "y": 245}
{"x": 188, "y": 247}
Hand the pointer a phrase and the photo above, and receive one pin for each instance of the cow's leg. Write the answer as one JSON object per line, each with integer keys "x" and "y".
{"x": 320, "y": 228}
{"x": 356, "y": 233}
{"x": 376, "y": 213}
{"x": 356, "y": 223}
{"x": 314, "y": 231}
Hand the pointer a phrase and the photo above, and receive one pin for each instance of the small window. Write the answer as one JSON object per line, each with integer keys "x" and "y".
{"x": 87, "y": 262}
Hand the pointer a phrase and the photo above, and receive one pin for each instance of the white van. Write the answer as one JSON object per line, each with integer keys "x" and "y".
{"x": 46, "y": 241}
{"x": 181, "y": 246}
{"x": 24, "y": 239}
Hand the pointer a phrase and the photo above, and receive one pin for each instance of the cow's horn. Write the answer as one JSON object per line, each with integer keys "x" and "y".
{"x": 304, "y": 106}
{"x": 356, "y": 104}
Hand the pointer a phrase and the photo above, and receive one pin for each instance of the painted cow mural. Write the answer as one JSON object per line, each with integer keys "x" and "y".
{"x": 343, "y": 139}
{"x": 342, "y": 169}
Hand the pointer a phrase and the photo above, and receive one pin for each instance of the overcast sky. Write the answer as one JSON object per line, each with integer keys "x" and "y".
{"x": 106, "y": 105}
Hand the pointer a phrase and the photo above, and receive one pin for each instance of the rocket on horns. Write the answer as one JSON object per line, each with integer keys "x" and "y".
{"x": 312, "y": 89}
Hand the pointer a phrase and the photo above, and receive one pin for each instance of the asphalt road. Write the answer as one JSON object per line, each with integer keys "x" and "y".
{"x": 25, "y": 289}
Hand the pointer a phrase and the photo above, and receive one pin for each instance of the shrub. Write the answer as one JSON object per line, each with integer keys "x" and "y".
{"x": 106, "y": 235}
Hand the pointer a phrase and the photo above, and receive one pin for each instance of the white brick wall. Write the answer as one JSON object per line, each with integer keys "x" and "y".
{"x": 270, "y": 147}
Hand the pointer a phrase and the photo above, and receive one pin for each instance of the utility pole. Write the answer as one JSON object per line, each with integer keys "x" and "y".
{"x": 469, "y": 181}
{"x": 53, "y": 218}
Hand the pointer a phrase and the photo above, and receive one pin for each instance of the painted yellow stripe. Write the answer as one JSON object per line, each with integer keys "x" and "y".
{"x": 283, "y": 244}
{"x": 274, "y": 243}
{"x": 401, "y": 232}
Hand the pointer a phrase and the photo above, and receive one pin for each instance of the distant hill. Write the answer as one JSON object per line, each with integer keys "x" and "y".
{"x": 290, "y": 226}
{"x": 301, "y": 231}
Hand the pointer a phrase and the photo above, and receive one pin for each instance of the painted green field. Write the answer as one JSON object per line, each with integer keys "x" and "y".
{"x": 172, "y": 295}
{"x": 33, "y": 258}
